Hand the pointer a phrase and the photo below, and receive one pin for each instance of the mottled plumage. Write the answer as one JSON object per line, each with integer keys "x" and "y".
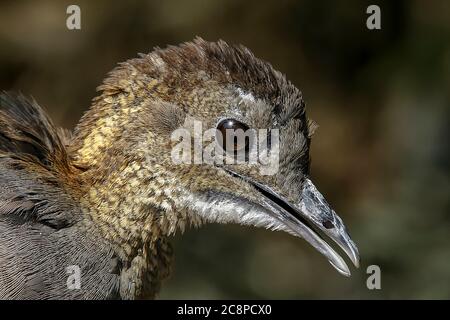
{"x": 107, "y": 198}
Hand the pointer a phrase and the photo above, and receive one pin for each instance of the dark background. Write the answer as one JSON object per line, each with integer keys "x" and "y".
{"x": 380, "y": 155}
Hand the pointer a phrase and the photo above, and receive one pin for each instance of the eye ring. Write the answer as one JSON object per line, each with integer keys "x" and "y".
{"x": 228, "y": 129}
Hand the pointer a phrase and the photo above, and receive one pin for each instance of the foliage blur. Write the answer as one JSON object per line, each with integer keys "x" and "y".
{"x": 380, "y": 155}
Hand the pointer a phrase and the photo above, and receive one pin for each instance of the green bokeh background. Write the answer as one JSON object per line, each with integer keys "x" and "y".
{"x": 380, "y": 155}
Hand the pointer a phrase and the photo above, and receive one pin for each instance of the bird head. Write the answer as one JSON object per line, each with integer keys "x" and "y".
{"x": 161, "y": 131}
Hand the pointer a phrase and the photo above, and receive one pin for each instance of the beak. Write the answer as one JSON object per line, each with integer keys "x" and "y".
{"x": 316, "y": 209}
{"x": 311, "y": 219}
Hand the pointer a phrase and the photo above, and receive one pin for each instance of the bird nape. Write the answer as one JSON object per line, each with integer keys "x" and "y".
{"x": 104, "y": 200}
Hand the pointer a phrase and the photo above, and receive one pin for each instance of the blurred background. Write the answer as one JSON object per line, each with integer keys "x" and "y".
{"x": 380, "y": 155}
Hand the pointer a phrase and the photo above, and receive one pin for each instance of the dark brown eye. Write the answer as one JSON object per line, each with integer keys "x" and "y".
{"x": 232, "y": 135}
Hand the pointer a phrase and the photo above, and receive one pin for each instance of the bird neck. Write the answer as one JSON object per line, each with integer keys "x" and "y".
{"x": 123, "y": 191}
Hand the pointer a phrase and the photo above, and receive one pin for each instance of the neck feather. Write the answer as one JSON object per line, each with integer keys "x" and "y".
{"x": 126, "y": 194}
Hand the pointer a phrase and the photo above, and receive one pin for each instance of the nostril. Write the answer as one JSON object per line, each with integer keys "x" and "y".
{"x": 328, "y": 224}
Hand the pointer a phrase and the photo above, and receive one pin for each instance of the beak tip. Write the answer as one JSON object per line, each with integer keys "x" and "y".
{"x": 342, "y": 269}
{"x": 356, "y": 262}
{"x": 355, "y": 257}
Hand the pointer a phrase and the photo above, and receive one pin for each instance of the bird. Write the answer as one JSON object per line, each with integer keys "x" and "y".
{"x": 102, "y": 202}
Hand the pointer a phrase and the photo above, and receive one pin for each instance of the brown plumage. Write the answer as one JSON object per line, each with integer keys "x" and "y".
{"x": 107, "y": 198}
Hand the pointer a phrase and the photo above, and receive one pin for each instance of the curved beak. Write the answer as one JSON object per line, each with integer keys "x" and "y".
{"x": 312, "y": 219}
{"x": 313, "y": 206}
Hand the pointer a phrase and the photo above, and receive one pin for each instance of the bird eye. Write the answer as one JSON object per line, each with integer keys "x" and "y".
{"x": 232, "y": 129}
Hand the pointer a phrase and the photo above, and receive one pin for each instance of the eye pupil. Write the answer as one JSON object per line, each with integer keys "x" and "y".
{"x": 231, "y": 125}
